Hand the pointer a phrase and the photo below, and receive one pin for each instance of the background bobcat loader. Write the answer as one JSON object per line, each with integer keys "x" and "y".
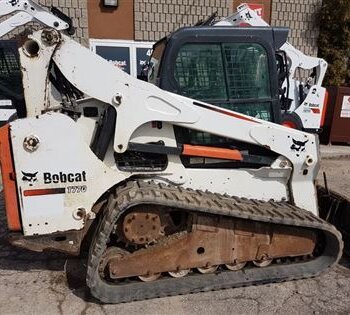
{"x": 106, "y": 160}
{"x": 15, "y": 14}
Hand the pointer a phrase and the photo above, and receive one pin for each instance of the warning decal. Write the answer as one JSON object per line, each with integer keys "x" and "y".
{"x": 345, "y": 108}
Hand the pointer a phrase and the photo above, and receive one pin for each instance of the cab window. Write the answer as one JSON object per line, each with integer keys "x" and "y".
{"x": 230, "y": 75}
{"x": 234, "y": 76}
{"x": 155, "y": 61}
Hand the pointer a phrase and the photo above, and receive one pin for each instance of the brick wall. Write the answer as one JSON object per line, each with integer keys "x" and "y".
{"x": 300, "y": 17}
{"x": 156, "y": 18}
{"x": 75, "y": 9}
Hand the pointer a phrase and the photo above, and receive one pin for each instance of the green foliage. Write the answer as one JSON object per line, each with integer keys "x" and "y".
{"x": 334, "y": 40}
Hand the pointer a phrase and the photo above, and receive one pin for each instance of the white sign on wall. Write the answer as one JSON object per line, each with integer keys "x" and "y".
{"x": 345, "y": 108}
{"x": 129, "y": 56}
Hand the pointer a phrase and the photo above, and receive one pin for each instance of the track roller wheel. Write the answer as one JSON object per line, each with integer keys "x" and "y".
{"x": 262, "y": 263}
{"x": 149, "y": 278}
{"x": 179, "y": 274}
{"x": 210, "y": 269}
{"x": 236, "y": 266}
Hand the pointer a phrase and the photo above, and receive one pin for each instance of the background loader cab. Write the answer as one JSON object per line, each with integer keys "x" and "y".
{"x": 11, "y": 88}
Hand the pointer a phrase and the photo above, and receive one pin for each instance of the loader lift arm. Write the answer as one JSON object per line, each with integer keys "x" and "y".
{"x": 25, "y": 11}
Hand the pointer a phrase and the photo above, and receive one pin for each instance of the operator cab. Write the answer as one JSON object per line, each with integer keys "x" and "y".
{"x": 236, "y": 68}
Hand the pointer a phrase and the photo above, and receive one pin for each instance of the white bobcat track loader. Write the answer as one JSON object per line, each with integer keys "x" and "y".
{"x": 106, "y": 160}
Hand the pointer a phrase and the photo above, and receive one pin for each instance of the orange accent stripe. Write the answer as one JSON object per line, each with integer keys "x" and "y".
{"x": 212, "y": 152}
{"x": 43, "y": 192}
{"x": 324, "y": 111}
{"x": 8, "y": 180}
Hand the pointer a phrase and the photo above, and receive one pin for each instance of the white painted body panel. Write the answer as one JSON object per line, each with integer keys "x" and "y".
{"x": 311, "y": 109}
{"x": 241, "y": 183}
{"x": 62, "y": 149}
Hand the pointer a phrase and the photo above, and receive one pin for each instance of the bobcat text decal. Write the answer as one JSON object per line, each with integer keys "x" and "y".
{"x": 61, "y": 177}
{"x": 55, "y": 178}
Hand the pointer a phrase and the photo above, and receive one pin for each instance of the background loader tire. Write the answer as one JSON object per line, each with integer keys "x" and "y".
{"x": 291, "y": 120}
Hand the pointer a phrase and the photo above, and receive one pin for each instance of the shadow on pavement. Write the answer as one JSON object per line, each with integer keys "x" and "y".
{"x": 345, "y": 261}
{"x": 75, "y": 269}
{"x": 12, "y": 258}
{"x": 17, "y": 259}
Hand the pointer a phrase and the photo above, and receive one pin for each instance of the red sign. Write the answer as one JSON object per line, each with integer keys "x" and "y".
{"x": 258, "y": 8}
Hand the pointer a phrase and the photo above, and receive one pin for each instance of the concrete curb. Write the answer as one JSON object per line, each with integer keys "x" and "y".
{"x": 334, "y": 152}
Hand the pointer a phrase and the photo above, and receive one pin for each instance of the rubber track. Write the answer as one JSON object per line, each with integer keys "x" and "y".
{"x": 139, "y": 192}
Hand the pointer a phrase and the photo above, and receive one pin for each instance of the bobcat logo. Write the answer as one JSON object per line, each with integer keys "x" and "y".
{"x": 29, "y": 177}
{"x": 248, "y": 16}
{"x": 298, "y": 146}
